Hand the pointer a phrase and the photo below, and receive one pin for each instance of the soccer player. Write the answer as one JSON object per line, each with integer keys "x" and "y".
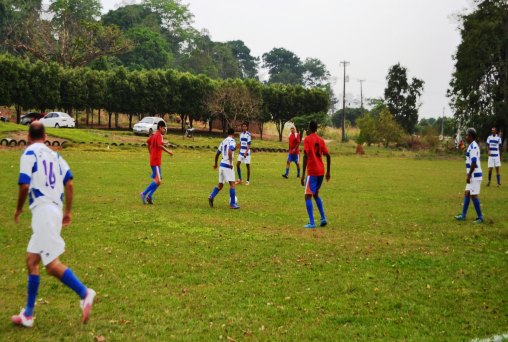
{"x": 44, "y": 175}
{"x": 155, "y": 145}
{"x": 494, "y": 143}
{"x": 474, "y": 177}
{"x": 226, "y": 173}
{"x": 244, "y": 154}
{"x": 314, "y": 149}
{"x": 294, "y": 152}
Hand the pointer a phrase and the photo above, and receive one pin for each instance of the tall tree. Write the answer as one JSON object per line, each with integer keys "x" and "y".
{"x": 401, "y": 97}
{"x": 248, "y": 63}
{"x": 151, "y": 50}
{"x": 479, "y": 86}
{"x": 315, "y": 73}
{"x": 283, "y": 66}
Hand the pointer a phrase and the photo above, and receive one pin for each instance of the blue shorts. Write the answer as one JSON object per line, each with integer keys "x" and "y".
{"x": 156, "y": 170}
{"x": 313, "y": 184}
{"x": 293, "y": 158}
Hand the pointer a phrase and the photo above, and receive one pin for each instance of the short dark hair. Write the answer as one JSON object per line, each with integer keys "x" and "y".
{"x": 245, "y": 123}
{"x": 313, "y": 126}
{"x": 36, "y": 131}
{"x": 231, "y": 131}
{"x": 471, "y": 132}
{"x": 161, "y": 124}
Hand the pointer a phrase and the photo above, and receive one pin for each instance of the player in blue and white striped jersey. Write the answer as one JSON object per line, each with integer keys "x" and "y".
{"x": 494, "y": 144}
{"x": 474, "y": 177}
{"x": 226, "y": 174}
{"x": 244, "y": 153}
{"x": 46, "y": 179}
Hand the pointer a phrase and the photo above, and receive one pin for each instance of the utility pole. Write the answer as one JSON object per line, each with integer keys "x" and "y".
{"x": 345, "y": 63}
{"x": 361, "y": 94}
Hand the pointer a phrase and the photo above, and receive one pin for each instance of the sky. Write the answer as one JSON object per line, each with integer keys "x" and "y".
{"x": 372, "y": 35}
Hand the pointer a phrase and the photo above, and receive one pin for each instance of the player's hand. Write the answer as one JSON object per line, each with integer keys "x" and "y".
{"x": 302, "y": 180}
{"x": 245, "y": 155}
{"x": 16, "y": 215}
{"x": 327, "y": 177}
{"x": 66, "y": 220}
{"x": 215, "y": 167}
{"x": 170, "y": 153}
{"x": 231, "y": 166}
{"x": 468, "y": 179}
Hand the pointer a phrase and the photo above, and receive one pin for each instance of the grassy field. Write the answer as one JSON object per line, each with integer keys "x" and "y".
{"x": 391, "y": 265}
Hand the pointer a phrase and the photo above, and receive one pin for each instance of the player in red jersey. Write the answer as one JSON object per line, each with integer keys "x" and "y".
{"x": 155, "y": 145}
{"x": 314, "y": 149}
{"x": 294, "y": 152}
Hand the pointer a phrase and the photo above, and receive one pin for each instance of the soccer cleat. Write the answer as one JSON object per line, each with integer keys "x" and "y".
{"x": 149, "y": 199}
{"x": 323, "y": 223}
{"x": 23, "y": 320}
{"x": 238, "y": 181}
{"x": 478, "y": 220}
{"x": 285, "y": 176}
{"x": 210, "y": 201}
{"x": 488, "y": 183}
{"x": 143, "y": 198}
{"x": 247, "y": 183}
{"x": 309, "y": 225}
{"x": 234, "y": 206}
{"x": 459, "y": 217}
{"x": 86, "y": 304}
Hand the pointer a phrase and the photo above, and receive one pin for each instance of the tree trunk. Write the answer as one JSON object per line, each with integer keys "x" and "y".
{"x": 91, "y": 117}
{"x": 210, "y": 124}
{"x": 280, "y": 128}
{"x": 116, "y": 120}
{"x": 130, "y": 121}
{"x": 261, "y": 126}
{"x": 87, "y": 111}
{"x": 18, "y": 113}
{"x": 99, "y": 118}
{"x": 109, "y": 119}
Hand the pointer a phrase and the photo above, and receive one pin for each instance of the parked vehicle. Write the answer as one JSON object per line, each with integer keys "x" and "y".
{"x": 146, "y": 126}
{"x": 4, "y": 118}
{"x": 57, "y": 120}
{"x": 30, "y": 117}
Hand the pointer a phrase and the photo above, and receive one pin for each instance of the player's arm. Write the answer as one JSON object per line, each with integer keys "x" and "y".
{"x": 328, "y": 165}
{"x": 230, "y": 157}
{"x": 164, "y": 148}
{"x": 22, "y": 195}
{"x": 69, "y": 195}
{"x": 472, "y": 168}
{"x": 248, "y": 147}
{"x": 216, "y": 159}
{"x": 304, "y": 168}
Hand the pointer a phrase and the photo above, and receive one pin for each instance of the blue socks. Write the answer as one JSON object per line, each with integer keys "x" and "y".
{"x": 498, "y": 179}
{"x": 298, "y": 170}
{"x": 232, "y": 195}
{"x": 319, "y": 204}
{"x": 467, "y": 199}
{"x": 33, "y": 288}
{"x": 476, "y": 203}
{"x": 69, "y": 279}
{"x": 150, "y": 189}
{"x": 239, "y": 172}
{"x": 310, "y": 210}
{"x": 150, "y": 193}
{"x": 287, "y": 171}
{"x": 214, "y": 193}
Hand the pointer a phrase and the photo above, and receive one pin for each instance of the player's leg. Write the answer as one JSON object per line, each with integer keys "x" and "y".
{"x": 25, "y": 317}
{"x": 230, "y": 178}
{"x": 239, "y": 170}
{"x": 319, "y": 202}
{"x": 247, "y": 182}
{"x": 490, "y": 173}
{"x": 297, "y": 162}
{"x": 309, "y": 185}
{"x": 477, "y": 207}
{"x": 58, "y": 270}
{"x": 150, "y": 187}
{"x": 498, "y": 175}
{"x": 288, "y": 164}
{"x": 157, "y": 179}
{"x": 465, "y": 206}
{"x": 217, "y": 189}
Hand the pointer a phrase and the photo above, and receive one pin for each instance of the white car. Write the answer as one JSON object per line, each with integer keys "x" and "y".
{"x": 146, "y": 126}
{"x": 58, "y": 119}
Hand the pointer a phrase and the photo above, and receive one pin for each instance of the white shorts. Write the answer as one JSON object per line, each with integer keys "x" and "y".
{"x": 226, "y": 175}
{"x": 494, "y": 162}
{"x": 474, "y": 187}
{"x": 46, "y": 227}
{"x": 245, "y": 160}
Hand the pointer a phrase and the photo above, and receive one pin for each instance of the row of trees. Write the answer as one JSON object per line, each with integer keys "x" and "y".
{"x": 153, "y": 92}
{"x": 154, "y": 34}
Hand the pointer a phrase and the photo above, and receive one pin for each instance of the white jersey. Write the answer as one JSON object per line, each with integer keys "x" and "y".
{"x": 494, "y": 142}
{"x": 473, "y": 156}
{"x": 226, "y": 145}
{"x": 46, "y": 172}
{"x": 245, "y": 140}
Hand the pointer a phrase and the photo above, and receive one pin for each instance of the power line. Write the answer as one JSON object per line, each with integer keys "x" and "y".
{"x": 345, "y": 63}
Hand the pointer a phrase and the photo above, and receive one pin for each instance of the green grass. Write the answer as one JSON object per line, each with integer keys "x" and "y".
{"x": 391, "y": 265}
